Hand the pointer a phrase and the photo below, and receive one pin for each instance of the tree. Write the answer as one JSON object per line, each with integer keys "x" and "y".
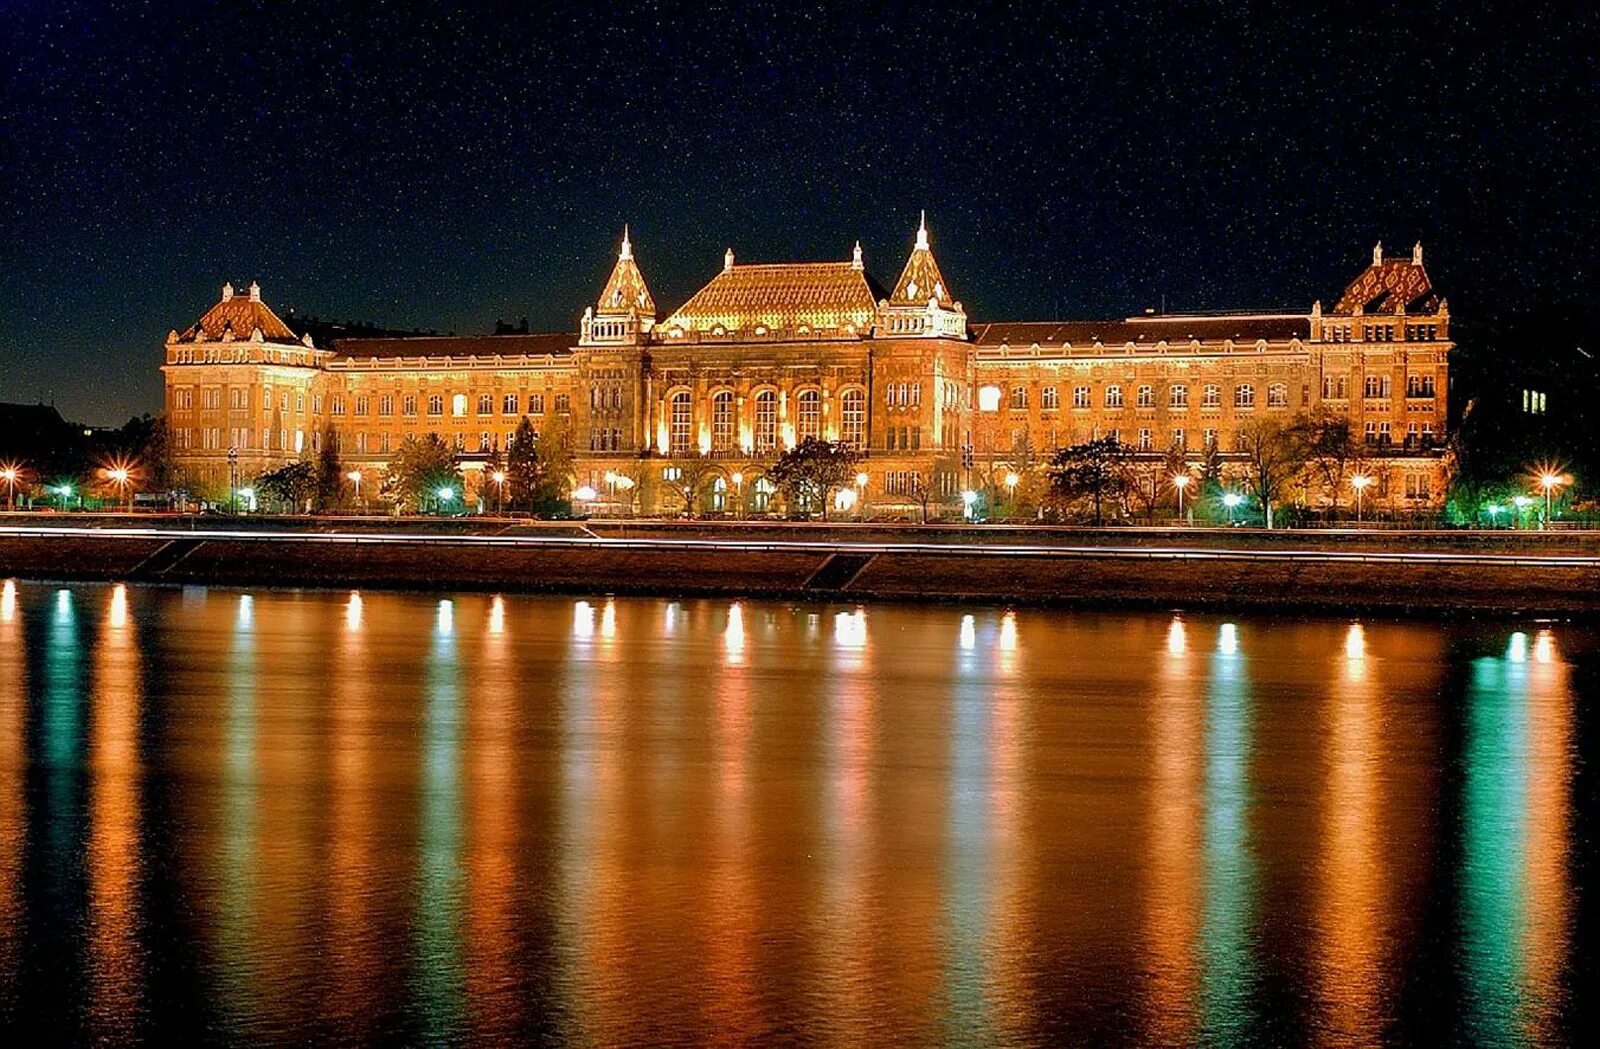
{"x": 289, "y": 486}
{"x": 330, "y": 471}
{"x": 811, "y": 471}
{"x": 1335, "y": 454}
{"x": 693, "y": 474}
{"x": 1096, "y": 471}
{"x": 522, "y": 467}
{"x": 555, "y": 464}
{"x": 419, "y": 468}
{"x": 156, "y": 457}
{"x": 1275, "y": 452}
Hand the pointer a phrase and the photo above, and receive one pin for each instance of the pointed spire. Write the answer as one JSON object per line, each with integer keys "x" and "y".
{"x": 627, "y": 246}
{"x": 727, "y": 261}
{"x": 1416, "y": 254}
{"x": 1377, "y": 254}
{"x": 255, "y": 292}
{"x": 625, "y": 291}
{"x": 921, "y": 282}
{"x": 922, "y": 232}
{"x": 855, "y": 257}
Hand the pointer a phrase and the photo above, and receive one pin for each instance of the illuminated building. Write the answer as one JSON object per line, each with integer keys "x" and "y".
{"x": 766, "y": 355}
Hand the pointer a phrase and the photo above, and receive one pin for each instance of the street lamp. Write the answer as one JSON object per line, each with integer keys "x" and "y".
{"x": 120, "y": 475}
{"x": 585, "y": 494}
{"x": 1494, "y": 512}
{"x": 445, "y": 494}
{"x": 1011, "y": 480}
{"x": 499, "y": 478}
{"x": 10, "y": 474}
{"x": 1549, "y": 482}
{"x": 1231, "y": 500}
{"x": 969, "y": 500}
{"x": 738, "y": 494}
{"x": 354, "y": 477}
{"x": 64, "y": 491}
{"x": 1359, "y": 482}
{"x": 1180, "y": 482}
{"x": 861, "y": 495}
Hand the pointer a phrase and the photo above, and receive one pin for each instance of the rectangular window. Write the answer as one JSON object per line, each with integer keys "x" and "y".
{"x": 1146, "y": 441}
{"x": 436, "y": 404}
{"x": 1178, "y": 397}
{"x": 1113, "y": 397}
{"x": 363, "y": 404}
{"x": 535, "y": 404}
{"x": 1177, "y": 438}
{"x": 1049, "y": 398}
{"x": 458, "y": 405}
{"x": 1019, "y": 398}
{"x": 563, "y": 402}
{"x": 408, "y": 405}
{"x": 1080, "y": 396}
{"x": 1145, "y": 397}
{"x": 386, "y": 404}
{"x": 485, "y": 404}
{"x": 508, "y": 405}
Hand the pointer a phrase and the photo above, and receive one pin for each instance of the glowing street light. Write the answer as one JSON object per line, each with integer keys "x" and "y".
{"x": 1549, "y": 481}
{"x": 354, "y": 477}
{"x": 120, "y": 476}
{"x": 1359, "y": 482}
{"x": 969, "y": 500}
{"x": 1180, "y": 482}
{"x": 738, "y": 493}
{"x": 499, "y": 478}
{"x": 445, "y": 494}
{"x": 1231, "y": 500}
{"x": 9, "y": 474}
{"x": 584, "y": 494}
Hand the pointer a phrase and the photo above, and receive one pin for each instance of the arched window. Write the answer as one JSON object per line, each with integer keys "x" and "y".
{"x": 458, "y": 405}
{"x": 810, "y": 414}
{"x": 1113, "y": 397}
{"x": 682, "y": 422}
{"x": 761, "y": 494}
{"x": 1146, "y": 397}
{"x": 1211, "y": 397}
{"x": 722, "y": 421}
{"x": 766, "y": 428}
{"x": 1277, "y": 395}
{"x": 988, "y": 398}
{"x": 1244, "y": 396}
{"x": 1179, "y": 396}
{"x": 1019, "y": 398}
{"x": 719, "y": 493}
{"x": 853, "y": 418}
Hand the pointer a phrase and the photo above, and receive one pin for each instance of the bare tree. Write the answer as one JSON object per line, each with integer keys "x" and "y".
{"x": 1275, "y": 452}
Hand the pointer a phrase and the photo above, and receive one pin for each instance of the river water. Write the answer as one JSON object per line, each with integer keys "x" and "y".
{"x": 276, "y": 816}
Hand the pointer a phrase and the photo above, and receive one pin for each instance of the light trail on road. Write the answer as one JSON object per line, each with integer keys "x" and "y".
{"x": 944, "y": 549}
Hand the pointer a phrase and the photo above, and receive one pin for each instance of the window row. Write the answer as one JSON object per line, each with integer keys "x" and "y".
{"x": 1144, "y": 396}
{"x": 723, "y": 436}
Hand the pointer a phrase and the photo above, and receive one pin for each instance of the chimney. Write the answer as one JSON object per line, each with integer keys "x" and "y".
{"x": 1377, "y": 254}
{"x": 227, "y": 292}
{"x": 255, "y": 292}
{"x": 855, "y": 257}
{"x": 727, "y": 261}
{"x": 1416, "y": 254}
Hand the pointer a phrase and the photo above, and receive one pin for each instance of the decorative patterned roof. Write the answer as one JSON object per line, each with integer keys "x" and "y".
{"x": 239, "y": 316}
{"x": 1390, "y": 286}
{"x": 921, "y": 279}
{"x": 784, "y": 296}
{"x": 556, "y": 343}
{"x": 1147, "y": 331}
{"x": 626, "y": 292}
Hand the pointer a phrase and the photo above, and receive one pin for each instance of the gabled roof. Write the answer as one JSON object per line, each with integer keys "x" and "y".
{"x": 1390, "y": 286}
{"x": 552, "y": 344}
{"x": 241, "y": 315}
{"x": 1148, "y": 331}
{"x": 921, "y": 279}
{"x": 626, "y": 292}
{"x": 781, "y": 296}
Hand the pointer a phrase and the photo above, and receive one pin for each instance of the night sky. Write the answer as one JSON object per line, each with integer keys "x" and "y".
{"x": 473, "y": 161}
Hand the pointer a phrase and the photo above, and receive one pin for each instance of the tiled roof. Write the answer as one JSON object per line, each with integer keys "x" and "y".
{"x": 626, "y": 292}
{"x": 555, "y": 343}
{"x": 1387, "y": 287}
{"x": 242, "y": 315}
{"x": 1214, "y": 328}
{"x": 921, "y": 279}
{"x": 820, "y": 295}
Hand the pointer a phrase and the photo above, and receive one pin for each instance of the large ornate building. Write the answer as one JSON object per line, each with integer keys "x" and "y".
{"x": 698, "y": 404}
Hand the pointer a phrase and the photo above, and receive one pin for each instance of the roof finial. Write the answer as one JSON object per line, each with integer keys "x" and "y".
{"x": 227, "y": 292}
{"x": 855, "y": 257}
{"x": 727, "y": 261}
{"x": 255, "y": 292}
{"x": 1377, "y": 254}
{"x": 922, "y": 232}
{"x": 627, "y": 246}
{"x": 1416, "y": 254}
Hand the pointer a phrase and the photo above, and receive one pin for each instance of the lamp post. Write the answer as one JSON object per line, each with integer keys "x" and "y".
{"x": 445, "y": 494}
{"x": 354, "y": 476}
{"x": 1549, "y": 482}
{"x": 10, "y": 474}
{"x": 738, "y": 494}
{"x": 1522, "y": 502}
{"x": 861, "y": 496}
{"x": 233, "y": 478}
{"x": 1180, "y": 482}
{"x": 120, "y": 475}
{"x": 1011, "y": 492}
{"x": 64, "y": 491}
{"x": 1232, "y": 500}
{"x": 499, "y": 478}
{"x": 1359, "y": 482}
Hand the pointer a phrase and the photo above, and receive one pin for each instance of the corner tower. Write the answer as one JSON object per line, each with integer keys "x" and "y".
{"x": 921, "y": 303}
{"x": 626, "y": 311}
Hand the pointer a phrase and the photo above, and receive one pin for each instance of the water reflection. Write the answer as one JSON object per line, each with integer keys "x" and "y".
{"x": 511, "y": 819}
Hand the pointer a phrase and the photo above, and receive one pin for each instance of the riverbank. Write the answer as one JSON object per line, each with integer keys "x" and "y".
{"x": 1531, "y": 574}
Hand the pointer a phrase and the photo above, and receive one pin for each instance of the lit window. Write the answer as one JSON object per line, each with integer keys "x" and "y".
{"x": 1113, "y": 397}
{"x": 1080, "y": 396}
{"x": 458, "y": 405}
{"x": 852, "y": 418}
{"x": 1277, "y": 395}
{"x": 1211, "y": 397}
{"x": 1145, "y": 397}
{"x": 1244, "y": 396}
{"x": 1049, "y": 399}
{"x": 681, "y": 422}
{"x": 809, "y": 415}
{"x": 722, "y": 421}
{"x": 989, "y": 399}
{"x": 1178, "y": 397}
{"x": 766, "y": 421}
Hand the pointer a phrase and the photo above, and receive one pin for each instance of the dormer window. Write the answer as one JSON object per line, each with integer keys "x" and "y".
{"x": 719, "y": 330}
{"x": 911, "y": 289}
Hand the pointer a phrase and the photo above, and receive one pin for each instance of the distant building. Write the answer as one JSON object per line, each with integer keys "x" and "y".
{"x": 765, "y": 355}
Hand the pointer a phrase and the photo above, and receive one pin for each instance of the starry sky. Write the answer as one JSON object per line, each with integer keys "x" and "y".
{"x": 444, "y": 165}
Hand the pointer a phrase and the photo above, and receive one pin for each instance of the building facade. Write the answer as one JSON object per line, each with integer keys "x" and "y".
{"x": 692, "y": 408}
